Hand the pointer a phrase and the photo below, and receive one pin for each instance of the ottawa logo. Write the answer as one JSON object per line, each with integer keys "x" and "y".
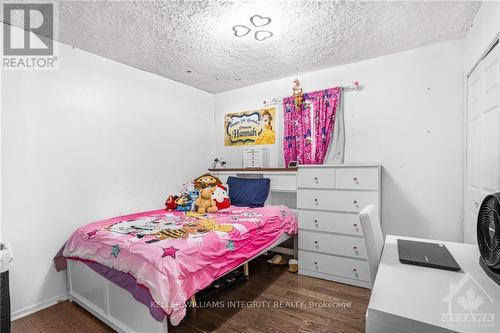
{"x": 469, "y": 305}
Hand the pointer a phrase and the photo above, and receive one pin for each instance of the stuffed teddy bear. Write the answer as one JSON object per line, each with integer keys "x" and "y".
{"x": 205, "y": 203}
{"x": 206, "y": 180}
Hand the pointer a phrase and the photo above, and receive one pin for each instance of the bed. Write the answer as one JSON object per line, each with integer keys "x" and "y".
{"x": 170, "y": 255}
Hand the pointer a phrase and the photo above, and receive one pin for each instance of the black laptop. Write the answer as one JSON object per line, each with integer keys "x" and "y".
{"x": 426, "y": 254}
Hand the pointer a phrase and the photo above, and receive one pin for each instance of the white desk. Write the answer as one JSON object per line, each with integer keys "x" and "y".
{"x": 408, "y": 298}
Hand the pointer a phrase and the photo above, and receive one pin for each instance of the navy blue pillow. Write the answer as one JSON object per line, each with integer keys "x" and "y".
{"x": 246, "y": 192}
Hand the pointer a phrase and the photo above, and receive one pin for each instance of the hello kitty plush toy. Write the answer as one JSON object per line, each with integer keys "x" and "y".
{"x": 221, "y": 197}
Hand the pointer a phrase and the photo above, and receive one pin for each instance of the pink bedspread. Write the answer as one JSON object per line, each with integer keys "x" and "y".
{"x": 175, "y": 254}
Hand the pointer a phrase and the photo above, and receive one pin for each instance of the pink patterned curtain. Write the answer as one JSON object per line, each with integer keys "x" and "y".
{"x": 308, "y": 130}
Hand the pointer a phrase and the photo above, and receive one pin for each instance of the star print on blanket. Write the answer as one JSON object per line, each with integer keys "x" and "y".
{"x": 115, "y": 249}
{"x": 169, "y": 252}
{"x": 230, "y": 245}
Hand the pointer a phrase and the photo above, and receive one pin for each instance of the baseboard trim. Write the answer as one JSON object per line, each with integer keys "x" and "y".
{"x": 38, "y": 306}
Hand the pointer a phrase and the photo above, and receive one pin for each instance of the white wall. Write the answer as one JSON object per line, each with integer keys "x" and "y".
{"x": 408, "y": 117}
{"x": 91, "y": 140}
{"x": 485, "y": 27}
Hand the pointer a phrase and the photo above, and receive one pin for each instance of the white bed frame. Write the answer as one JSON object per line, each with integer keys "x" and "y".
{"x": 116, "y": 306}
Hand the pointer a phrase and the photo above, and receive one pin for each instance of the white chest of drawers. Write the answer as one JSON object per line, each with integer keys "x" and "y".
{"x": 253, "y": 158}
{"x": 329, "y": 199}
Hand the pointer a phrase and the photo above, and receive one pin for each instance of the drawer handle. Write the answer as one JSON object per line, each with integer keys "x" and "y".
{"x": 316, "y": 263}
{"x": 354, "y": 270}
{"x": 355, "y": 225}
{"x": 355, "y": 180}
{"x": 315, "y": 221}
{"x": 315, "y": 242}
{"x": 316, "y": 179}
{"x": 355, "y": 247}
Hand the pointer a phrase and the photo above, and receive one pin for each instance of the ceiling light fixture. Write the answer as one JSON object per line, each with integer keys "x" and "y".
{"x": 260, "y": 21}
{"x": 262, "y": 35}
{"x": 257, "y": 21}
{"x": 240, "y": 30}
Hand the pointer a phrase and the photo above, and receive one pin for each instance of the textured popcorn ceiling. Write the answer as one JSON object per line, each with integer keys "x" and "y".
{"x": 171, "y": 38}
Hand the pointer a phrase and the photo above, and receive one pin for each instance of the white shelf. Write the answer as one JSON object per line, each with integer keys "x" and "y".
{"x": 283, "y": 190}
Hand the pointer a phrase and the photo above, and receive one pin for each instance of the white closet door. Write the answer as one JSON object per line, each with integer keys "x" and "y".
{"x": 482, "y": 175}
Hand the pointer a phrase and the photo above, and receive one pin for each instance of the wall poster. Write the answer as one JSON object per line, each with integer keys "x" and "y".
{"x": 250, "y": 128}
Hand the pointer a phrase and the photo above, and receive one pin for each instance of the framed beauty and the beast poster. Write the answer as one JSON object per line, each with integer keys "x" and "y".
{"x": 250, "y": 128}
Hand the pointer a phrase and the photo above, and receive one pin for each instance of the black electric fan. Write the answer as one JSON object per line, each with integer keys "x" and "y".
{"x": 488, "y": 236}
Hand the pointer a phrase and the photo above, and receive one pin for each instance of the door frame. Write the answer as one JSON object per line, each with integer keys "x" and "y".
{"x": 489, "y": 48}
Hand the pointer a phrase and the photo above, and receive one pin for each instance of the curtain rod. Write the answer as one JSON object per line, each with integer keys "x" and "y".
{"x": 355, "y": 86}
